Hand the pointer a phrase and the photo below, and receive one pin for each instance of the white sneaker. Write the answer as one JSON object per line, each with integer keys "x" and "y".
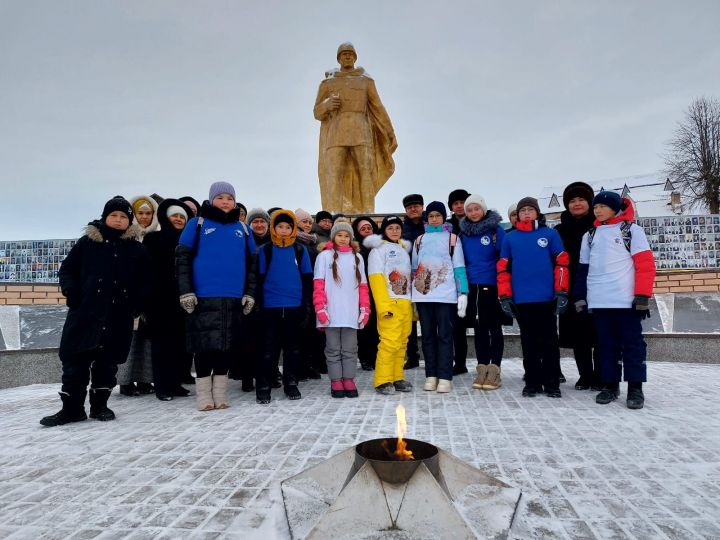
{"x": 444, "y": 386}
{"x": 430, "y": 384}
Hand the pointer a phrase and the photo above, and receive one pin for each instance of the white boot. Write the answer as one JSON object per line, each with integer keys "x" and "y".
{"x": 430, "y": 384}
{"x": 444, "y": 386}
{"x": 219, "y": 391}
{"x": 204, "y": 397}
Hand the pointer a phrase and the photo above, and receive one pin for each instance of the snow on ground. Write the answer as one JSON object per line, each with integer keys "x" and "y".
{"x": 164, "y": 470}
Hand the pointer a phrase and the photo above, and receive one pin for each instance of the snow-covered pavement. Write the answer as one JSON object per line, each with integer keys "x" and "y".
{"x": 164, "y": 470}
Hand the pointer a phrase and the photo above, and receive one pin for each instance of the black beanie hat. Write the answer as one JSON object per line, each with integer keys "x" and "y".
{"x": 387, "y": 221}
{"x": 457, "y": 195}
{"x": 609, "y": 199}
{"x": 117, "y": 204}
{"x": 414, "y": 198}
{"x": 282, "y": 217}
{"x": 323, "y": 214}
{"x": 436, "y": 206}
{"x": 578, "y": 189}
{"x": 528, "y": 201}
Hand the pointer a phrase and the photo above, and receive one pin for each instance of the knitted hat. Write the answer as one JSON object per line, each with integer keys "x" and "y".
{"x": 528, "y": 201}
{"x": 188, "y": 199}
{"x": 387, "y": 221}
{"x": 283, "y": 217}
{"x": 175, "y": 209}
{"x": 221, "y": 187}
{"x": 117, "y": 204}
{"x": 476, "y": 199}
{"x": 323, "y": 214}
{"x": 340, "y": 226}
{"x": 243, "y": 207}
{"x": 610, "y": 199}
{"x": 457, "y": 195}
{"x": 413, "y": 198}
{"x": 272, "y": 210}
{"x": 512, "y": 208}
{"x": 256, "y": 213}
{"x": 301, "y": 214}
{"x": 577, "y": 189}
{"x": 436, "y": 206}
{"x": 143, "y": 204}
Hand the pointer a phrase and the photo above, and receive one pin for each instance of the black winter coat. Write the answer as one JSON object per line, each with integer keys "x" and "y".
{"x": 216, "y": 323}
{"x": 574, "y": 329}
{"x": 104, "y": 278}
{"x": 163, "y": 314}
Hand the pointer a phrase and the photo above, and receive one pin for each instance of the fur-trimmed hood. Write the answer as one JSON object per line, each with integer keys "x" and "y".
{"x": 375, "y": 240}
{"x": 154, "y": 224}
{"x": 93, "y": 231}
{"x": 274, "y": 238}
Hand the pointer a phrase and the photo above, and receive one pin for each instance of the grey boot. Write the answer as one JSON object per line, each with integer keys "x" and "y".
{"x": 219, "y": 391}
{"x": 204, "y": 396}
{"x": 98, "y": 404}
{"x": 73, "y": 407}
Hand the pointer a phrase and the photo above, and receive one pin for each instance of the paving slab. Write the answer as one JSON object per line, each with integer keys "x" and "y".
{"x": 164, "y": 470}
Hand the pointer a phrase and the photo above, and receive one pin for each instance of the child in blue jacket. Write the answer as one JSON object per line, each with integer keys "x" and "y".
{"x": 482, "y": 238}
{"x": 533, "y": 287}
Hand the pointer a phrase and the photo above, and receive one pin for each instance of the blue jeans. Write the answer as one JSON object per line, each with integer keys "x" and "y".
{"x": 436, "y": 323}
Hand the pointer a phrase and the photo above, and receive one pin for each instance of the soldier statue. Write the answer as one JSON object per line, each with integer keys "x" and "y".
{"x": 356, "y": 138}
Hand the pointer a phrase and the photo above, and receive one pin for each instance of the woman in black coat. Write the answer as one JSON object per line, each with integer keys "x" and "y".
{"x": 368, "y": 337}
{"x": 164, "y": 317}
{"x": 104, "y": 282}
{"x": 576, "y": 329}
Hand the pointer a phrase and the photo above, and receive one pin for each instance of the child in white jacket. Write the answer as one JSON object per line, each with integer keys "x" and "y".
{"x": 342, "y": 304}
{"x": 390, "y": 279}
{"x": 439, "y": 288}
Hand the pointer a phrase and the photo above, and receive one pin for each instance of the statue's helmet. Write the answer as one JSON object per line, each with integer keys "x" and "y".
{"x": 347, "y": 46}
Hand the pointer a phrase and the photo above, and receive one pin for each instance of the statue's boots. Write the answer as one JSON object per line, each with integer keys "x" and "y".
{"x": 98, "y": 404}
{"x": 73, "y": 407}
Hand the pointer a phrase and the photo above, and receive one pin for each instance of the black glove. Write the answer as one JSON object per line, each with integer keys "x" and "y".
{"x": 641, "y": 305}
{"x": 508, "y": 307}
{"x": 561, "y": 302}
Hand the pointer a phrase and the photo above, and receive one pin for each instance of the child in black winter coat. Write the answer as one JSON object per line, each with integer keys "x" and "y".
{"x": 104, "y": 282}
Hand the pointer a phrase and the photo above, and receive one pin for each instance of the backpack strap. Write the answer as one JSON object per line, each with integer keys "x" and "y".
{"x": 268, "y": 251}
{"x": 298, "y": 255}
{"x": 196, "y": 243}
{"x": 418, "y": 241}
{"x": 625, "y": 232}
{"x": 451, "y": 243}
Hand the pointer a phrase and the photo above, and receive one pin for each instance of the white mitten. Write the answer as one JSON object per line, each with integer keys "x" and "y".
{"x": 462, "y": 305}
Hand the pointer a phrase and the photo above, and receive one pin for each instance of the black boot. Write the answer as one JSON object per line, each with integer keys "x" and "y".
{"x": 73, "y": 408}
{"x": 583, "y": 383}
{"x": 460, "y": 369}
{"x": 248, "y": 385}
{"x": 98, "y": 404}
{"x": 635, "y": 396}
{"x": 129, "y": 390}
{"x": 145, "y": 388}
{"x": 292, "y": 392}
{"x": 262, "y": 395}
{"x": 608, "y": 394}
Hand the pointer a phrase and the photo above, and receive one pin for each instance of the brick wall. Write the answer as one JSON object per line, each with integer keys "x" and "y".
{"x": 689, "y": 281}
{"x": 15, "y": 295}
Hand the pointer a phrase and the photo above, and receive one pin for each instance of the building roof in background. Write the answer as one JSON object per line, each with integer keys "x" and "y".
{"x": 650, "y": 192}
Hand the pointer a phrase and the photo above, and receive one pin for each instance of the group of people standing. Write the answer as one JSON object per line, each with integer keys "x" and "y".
{"x": 157, "y": 287}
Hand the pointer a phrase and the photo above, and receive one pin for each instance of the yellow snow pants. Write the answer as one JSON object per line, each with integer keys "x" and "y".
{"x": 394, "y": 332}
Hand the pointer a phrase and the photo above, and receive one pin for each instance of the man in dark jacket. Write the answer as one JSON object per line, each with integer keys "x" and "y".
{"x": 103, "y": 279}
{"x": 413, "y": 226}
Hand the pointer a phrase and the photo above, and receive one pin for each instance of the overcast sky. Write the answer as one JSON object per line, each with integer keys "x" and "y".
{"x": 99, "y": 98}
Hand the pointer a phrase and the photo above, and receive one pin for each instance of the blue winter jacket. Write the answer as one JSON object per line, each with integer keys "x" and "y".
{"x": 482, "y": 241}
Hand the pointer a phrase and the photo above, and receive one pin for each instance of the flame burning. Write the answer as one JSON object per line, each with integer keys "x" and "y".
{"x": 401, "y": 452}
